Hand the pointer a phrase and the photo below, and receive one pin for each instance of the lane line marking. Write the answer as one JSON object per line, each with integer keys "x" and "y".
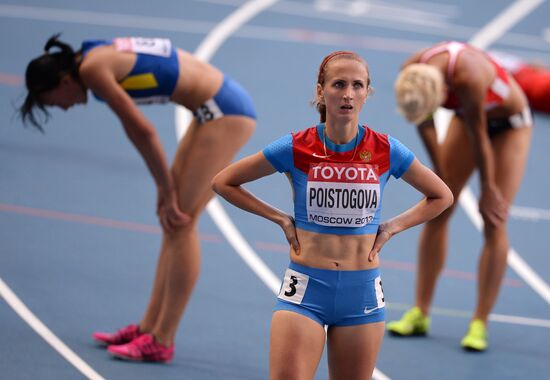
{"x": 504, "y": 22}
{"x": 121, "y": 20}
{"x": 96, "y": 221}
{"x": 529, "y": 213}
{"x": 23, "y": 311}
{"x": 242, "y": 247}
{"x": 13, "y": 80}
{"x": 501, "y": 318}
{"x": 214, "y": 238}
{"x": 469, "y": 203}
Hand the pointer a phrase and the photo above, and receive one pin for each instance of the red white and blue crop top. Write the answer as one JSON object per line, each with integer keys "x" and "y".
{"x": 338, "y": 188}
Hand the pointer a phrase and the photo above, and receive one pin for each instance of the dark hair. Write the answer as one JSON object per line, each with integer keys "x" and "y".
{"x": 322, "y": 108}
{"x": 43, "y": 74}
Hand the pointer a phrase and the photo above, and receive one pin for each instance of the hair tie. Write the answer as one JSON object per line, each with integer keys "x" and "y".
{"x": 328, "y": 58}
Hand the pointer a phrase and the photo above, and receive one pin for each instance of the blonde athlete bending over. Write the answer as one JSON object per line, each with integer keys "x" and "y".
{"x": 338, "y": 170}
{"x": 490, "y": 131}
{"x": 126, "y": 71}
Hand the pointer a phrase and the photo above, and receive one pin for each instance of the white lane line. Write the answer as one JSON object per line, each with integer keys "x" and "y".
{"x": 230, "y": 25}
{"x": 241, "y": 246}
{"x": 529, "y": 213}
{"x": 41, "y": 329}
{"x": 516, "y": 40}
{"x": 263, "y": 33}
{"x": 102, "y": 18}
{"x": 516, "y": 262}
{"x": 534, "y": 322}
{"x": 486, "y": 36}
{"x": 205, "y": 51}
{"x": 503, "y": 22}
{"x": 468, "y": 202}
{"x": 502, "y": 318}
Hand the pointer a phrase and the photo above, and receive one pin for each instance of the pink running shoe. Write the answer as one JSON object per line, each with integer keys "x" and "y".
{"x": 124, "y": 335}
{"x": 143, "y": 349}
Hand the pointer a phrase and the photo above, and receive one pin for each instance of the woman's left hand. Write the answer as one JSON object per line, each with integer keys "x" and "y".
{"x": 382, "y": 237}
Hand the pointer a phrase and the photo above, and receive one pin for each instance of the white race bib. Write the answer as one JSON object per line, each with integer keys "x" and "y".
{"x": 294, "y": 286}
{"x": 153, "y": 46}
{"x": 342, "y": 194}
{"x": 208, "y": 111}
{"x": 380, "y": 300}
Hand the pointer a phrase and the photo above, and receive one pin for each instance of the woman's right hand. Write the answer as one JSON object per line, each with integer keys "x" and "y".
{"x": 492, "y": 206}
{"x": 289, "y": 228}
{"x": 170, "y": 215}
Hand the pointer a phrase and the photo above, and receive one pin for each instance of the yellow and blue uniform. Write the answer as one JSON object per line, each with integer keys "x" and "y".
{"x": 338, "y": 188}
{"x": 155, "y": 75}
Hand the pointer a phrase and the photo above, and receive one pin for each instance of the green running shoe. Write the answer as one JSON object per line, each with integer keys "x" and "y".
{"x": 413, "y": 322}
{"x": 476, "y": 338}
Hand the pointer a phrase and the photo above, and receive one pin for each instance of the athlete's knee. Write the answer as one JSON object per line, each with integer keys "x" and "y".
{"x": 499, "y": 228}
{"x": 287, "y": 372}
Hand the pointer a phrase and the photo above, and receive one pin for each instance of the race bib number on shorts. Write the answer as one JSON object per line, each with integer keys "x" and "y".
{"x": 380, "y": 300}
{"x": 208, "y": 111}
{"x": 294, "y": 286}
{"x": 153, "y": 46}
{"x": 342, "y": 194}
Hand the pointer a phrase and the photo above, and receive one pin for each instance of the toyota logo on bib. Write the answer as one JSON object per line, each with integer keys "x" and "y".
{"x": 342, "y": 194}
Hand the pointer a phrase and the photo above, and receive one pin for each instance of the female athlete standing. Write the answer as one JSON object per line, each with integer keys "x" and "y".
{"x": 338, "y": 170}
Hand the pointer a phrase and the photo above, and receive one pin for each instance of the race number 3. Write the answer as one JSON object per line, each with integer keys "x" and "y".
{"x": 294, "y": 286}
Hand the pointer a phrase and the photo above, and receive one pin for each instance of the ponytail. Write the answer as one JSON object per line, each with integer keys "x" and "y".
{"x": 64, "y": 48}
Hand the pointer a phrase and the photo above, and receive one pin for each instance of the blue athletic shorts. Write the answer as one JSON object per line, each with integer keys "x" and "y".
{"x": 332, "y": 297}
{"x": 231, "y": 99}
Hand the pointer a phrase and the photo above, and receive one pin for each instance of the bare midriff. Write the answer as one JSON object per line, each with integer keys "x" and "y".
{"x": 198, "y": 81}
{"x": 334, "y": 252}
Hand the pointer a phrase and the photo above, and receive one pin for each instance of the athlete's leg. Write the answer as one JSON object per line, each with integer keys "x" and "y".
{"x": 296, "y": 346}
{"x": 352, "y": 350}
{"x": 457, "y": 164}
{"x": 153, "y": 309}
{"x": 510, "y": 150}
{"x": 209, "y": 149}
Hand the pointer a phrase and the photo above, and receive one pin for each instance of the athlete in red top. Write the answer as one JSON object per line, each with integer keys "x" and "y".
{"x": 490, "y": 131}
{"x": 533, "y": 79}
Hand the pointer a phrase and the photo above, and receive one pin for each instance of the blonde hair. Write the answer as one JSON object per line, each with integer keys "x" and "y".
{"x": 419, "y": 90}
